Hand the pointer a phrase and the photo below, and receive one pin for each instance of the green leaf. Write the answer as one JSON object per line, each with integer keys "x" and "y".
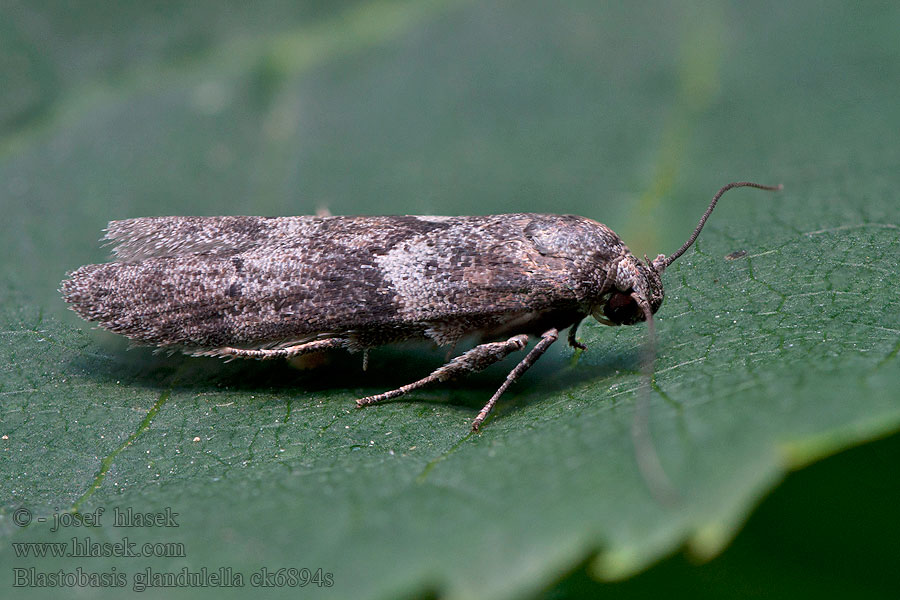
{"x": 765, "y": 363}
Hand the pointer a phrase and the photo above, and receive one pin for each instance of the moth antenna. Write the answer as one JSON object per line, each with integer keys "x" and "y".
{"x": 646, "y": 456}
{"x": 690, "y": 242}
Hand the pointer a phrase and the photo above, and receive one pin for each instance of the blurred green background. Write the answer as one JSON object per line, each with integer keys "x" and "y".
{"x": 632, "y": 114}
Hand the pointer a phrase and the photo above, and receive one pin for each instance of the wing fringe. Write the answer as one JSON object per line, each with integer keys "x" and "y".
{"x": 158, "y": 237}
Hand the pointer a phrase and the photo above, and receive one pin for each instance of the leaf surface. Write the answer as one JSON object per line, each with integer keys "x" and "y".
{"x": 765, "y": 362}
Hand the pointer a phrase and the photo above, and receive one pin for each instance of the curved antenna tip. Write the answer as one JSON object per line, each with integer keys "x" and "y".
{"x": 673, "y": 257}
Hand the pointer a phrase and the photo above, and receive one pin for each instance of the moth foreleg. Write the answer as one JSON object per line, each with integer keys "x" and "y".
{"x": 267, "y": 354}
{"x": 572, "y": 341}
{"x": 547, "y": 338}
{"x": 476, "y": 359}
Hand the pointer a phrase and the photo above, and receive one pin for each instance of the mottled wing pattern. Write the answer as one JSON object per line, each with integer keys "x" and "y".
{"x": 206, "y": 282}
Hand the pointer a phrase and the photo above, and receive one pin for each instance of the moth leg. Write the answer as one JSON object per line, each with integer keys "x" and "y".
{"x": 572, "y": 341}
{"x": 476, "y": 359}
{"x": 267, "y": 354}
{"x": 547, "y": 338}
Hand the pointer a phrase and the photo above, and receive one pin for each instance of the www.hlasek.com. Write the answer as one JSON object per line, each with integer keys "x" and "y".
{"x": 184, "y": 578}
{"x": 85, "y": 547}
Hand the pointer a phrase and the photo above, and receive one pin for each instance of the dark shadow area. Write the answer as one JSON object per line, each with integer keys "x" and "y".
{"x": 829, "y": 531}
{"x": 389, "y": 367}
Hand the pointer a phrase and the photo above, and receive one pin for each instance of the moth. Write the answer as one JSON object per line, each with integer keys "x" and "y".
{"x": 266, "y": 288}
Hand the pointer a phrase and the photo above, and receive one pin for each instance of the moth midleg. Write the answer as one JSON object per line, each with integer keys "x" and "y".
{"x": 266, "y": 354}
{"x": 547, "y": 338}
{"x": 476, "y": 359}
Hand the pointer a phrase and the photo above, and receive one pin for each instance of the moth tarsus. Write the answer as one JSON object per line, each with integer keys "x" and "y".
{"x": 264, "y": 288}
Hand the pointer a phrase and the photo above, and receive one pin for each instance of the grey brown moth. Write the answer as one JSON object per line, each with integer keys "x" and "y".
{"x": 257, "y": 287}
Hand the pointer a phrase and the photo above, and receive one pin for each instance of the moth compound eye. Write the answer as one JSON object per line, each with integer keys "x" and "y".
{"x": 622, "y": 309}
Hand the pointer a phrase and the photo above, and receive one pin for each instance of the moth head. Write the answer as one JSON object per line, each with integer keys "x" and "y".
{"x": 638, "y": 289}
